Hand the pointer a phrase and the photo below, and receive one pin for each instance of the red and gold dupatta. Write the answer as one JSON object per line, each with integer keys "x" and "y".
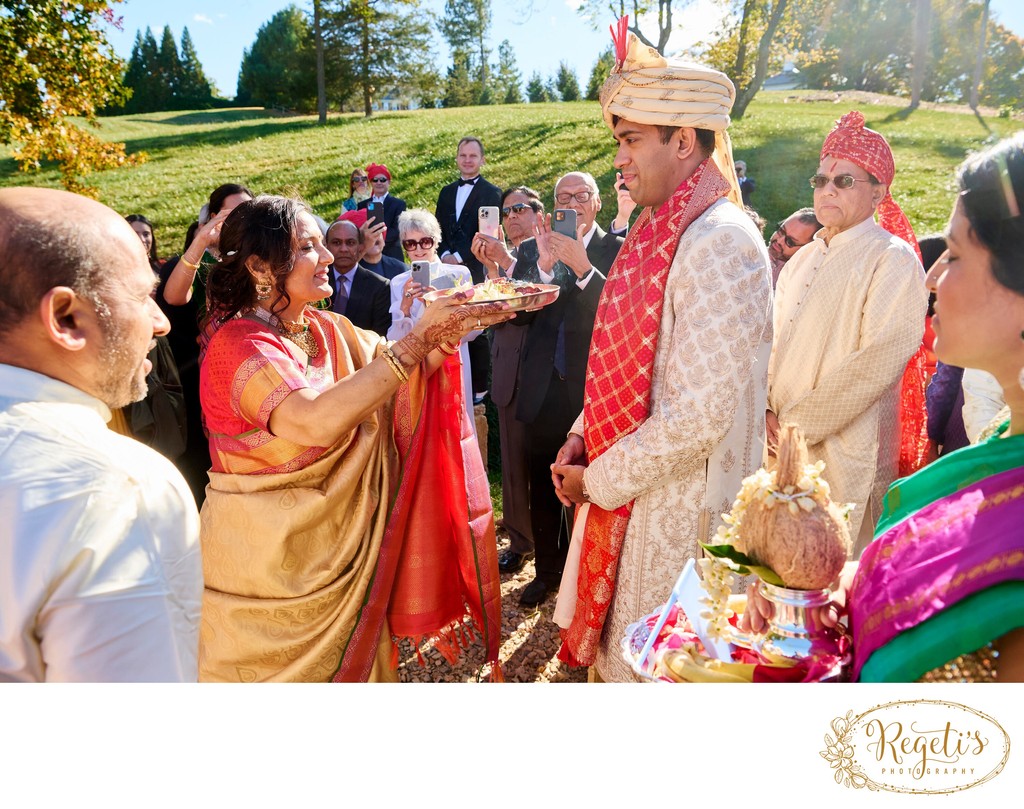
{"x": 618, "y": 386}
{"x": 439, "y": 555}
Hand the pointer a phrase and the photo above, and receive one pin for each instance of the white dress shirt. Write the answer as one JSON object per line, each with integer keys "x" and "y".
{"x": 100, "y": 572}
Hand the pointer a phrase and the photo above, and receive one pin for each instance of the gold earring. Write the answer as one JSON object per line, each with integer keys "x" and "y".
{"x": 262, "y": 290}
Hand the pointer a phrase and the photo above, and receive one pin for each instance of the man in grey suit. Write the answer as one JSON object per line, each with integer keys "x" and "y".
{"x": 520, "y": 208}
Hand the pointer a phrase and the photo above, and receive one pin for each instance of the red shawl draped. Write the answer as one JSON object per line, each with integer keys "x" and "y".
{"x": 618, "y": 386}
{"x": 439, "y": 555}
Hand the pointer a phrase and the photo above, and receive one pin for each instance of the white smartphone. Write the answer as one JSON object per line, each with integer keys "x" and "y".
{"x": 421, "y": 273}
{"x": 564, "y": 222}
{"x": 488, "y": 220}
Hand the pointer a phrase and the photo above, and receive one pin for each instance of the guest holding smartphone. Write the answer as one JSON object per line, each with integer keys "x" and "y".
{"x": 384, "y": 207}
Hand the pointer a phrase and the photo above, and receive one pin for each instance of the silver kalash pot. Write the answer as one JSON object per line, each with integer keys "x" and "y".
{"x": 796, "y": 632}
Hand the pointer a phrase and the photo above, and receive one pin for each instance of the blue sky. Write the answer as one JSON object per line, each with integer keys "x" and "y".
{"x": 542, "y": 32}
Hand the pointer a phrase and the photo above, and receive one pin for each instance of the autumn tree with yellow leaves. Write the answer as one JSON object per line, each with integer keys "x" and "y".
{"x": 56, "y": 64}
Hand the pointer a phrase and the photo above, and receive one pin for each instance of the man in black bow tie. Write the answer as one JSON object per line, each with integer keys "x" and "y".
{"x": 456, "y": 212}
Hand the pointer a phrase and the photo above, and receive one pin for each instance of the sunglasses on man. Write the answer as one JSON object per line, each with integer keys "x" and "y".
{"x": 518, "y": 208}
{"x": 423, "y": 244}
{"x": 791, "y": 243}
{"x": 381, "y": 179}
{"x": 841, "y": 181}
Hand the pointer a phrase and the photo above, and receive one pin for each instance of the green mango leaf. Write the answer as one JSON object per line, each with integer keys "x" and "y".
{"x": 747, "y": 566}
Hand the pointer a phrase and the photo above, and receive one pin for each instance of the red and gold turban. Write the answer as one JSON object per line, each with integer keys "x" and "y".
{"x": 851, "y": 140}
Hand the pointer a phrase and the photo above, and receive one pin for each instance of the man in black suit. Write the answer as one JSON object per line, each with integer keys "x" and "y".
{"x": 360, "y": 295}
{"x": 457, "y": 212}
{"x": 390, "y": 207}
{"x": 520, "y": 207}
{"x": 553, "y": 367}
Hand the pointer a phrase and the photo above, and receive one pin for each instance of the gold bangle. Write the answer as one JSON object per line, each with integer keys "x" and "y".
{"x": 187, "y": 263}
{"x": 448, "y": 348}
{"x": 402, "y": 379}
{"x": 396, "y": 366}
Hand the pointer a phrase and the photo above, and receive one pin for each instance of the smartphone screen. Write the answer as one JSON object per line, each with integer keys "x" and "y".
{"x": 488, "y": 221}
{"x": 564, "y": 222}
{"x": 421, "y": 273}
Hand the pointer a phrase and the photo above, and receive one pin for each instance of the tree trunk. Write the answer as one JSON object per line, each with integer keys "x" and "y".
{"x": 664, "y": 24}
{"x": 741, "y": 45}
{"x": 746, "y": 95}
{"x": 922, "y": 27}
{"x": 367, "y": 88}
{"x": 321, "y": 81}
{"x": 979, "y": 64}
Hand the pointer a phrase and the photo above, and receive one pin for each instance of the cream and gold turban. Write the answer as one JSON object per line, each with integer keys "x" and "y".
{"x": 647, "y": 88}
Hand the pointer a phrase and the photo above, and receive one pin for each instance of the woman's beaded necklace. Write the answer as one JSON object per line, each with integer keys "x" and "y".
{"x": 298, "y": 332}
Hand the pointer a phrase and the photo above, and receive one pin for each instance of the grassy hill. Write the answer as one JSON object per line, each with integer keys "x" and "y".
{"x": 532, "y": 144}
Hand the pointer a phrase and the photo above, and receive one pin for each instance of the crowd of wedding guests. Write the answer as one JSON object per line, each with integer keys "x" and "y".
{"x": 321, "y": 412}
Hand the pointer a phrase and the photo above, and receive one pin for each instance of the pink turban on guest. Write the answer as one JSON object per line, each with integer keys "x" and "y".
{"x": 357, "y": 218}
{"x": 851, "y": 140}
{"x": 376, "y": 169}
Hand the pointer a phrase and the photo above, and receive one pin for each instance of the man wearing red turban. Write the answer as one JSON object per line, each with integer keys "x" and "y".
{"x": 384, "y": 207}
{"x": 849, "y": 314}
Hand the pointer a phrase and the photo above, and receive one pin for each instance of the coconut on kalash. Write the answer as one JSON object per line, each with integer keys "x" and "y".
{"x": 785, "y": 529}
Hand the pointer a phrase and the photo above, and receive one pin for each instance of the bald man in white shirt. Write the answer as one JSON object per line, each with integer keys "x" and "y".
{"x": 100, "y": 574}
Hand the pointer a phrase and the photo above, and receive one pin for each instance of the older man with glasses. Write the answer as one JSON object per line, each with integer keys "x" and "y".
{"x": 849, "y": 314}
{"x": 790, "y": 235}
{"x": 384, "y": 207}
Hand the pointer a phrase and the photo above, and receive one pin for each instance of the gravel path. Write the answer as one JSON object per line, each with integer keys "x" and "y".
{"x": 529, "y": 643}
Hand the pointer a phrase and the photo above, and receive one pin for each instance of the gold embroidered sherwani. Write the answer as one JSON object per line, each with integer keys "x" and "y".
{"x": 848, "y": 317}
{"x": 705, "y": 432}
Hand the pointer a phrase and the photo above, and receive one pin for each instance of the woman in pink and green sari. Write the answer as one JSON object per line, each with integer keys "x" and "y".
{"x": 939, "y": 593}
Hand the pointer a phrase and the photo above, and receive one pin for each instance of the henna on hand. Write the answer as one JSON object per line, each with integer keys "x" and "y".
{"x": 411, "y": 350}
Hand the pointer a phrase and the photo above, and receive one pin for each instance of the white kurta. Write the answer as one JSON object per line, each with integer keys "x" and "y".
{"x": 100, "y": 575}
{"x": 848, "y": 317}
{"x": 684, "y": 465}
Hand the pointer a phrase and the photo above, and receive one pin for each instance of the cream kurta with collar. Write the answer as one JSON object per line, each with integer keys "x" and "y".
{"x": 705, "y": 433}
{"x": 848, "y": 317}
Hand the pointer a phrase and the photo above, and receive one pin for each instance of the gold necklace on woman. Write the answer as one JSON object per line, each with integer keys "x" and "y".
{"x": 298, "y": 332}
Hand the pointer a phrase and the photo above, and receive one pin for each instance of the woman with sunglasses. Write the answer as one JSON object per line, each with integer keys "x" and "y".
{"x": 420, "y": 234}
{"x": 358, "y": 190}
{"x": 384, "y": 207}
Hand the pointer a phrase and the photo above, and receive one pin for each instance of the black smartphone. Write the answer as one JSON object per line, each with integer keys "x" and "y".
{"x": 564, "y": 222}
{"x": 376, "y": 210}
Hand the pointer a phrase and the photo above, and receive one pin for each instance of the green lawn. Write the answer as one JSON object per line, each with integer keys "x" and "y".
{"x": 191, "y": 153}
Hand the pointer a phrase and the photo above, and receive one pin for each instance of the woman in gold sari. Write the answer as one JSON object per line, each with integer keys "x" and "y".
{"x": 317, "y": 437}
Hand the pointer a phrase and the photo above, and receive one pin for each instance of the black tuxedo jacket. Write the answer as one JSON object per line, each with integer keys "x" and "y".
{"x": 387, "y": 268}
{"x": 457, "y": 234}
{"x": 369, "y": 301}
{"x": 603, "y": 249}
{"x": 393, "y": 207}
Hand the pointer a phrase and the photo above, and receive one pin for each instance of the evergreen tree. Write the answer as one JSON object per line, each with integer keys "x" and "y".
{"x": 551, "y": 89}
{"x": 507, "y": 79}
{"x": 566, "y": 82}
{"x": 167, "y": 73}
{"x": 602, "y": 69}
{"x": 383, "y": 45}
{"x": 459, "y": 90}
{"x": 465, "y": 25}
{"x": 195, "y": 91}
{"x": 535, "y": 90}
{"x": 280, "y": 67}
{"x": 135, "y": 75}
